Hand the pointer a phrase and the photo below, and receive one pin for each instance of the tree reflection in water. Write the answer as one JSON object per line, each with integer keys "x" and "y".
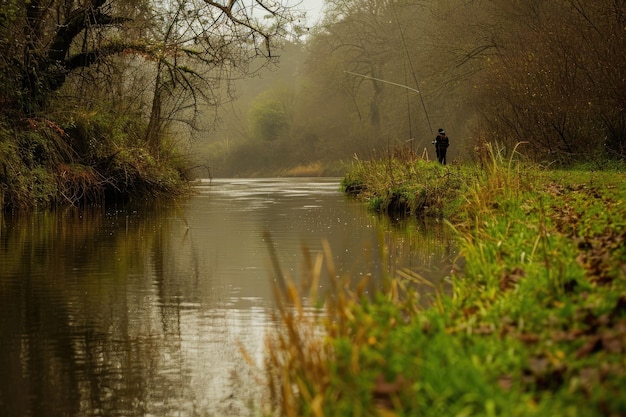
{"x": 141, "y": 311}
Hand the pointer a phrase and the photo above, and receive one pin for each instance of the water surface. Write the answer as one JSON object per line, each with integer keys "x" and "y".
{"x": 143, "y": 310}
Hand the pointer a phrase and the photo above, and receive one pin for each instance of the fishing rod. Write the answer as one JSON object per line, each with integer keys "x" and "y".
{"x": 408, "y": 55}
{"x": 383, "y": 81}
{"x": 397, "y": 85}
{"x": 408, "y": 110}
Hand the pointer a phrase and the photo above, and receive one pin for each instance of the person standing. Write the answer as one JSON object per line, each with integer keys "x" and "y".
{"x": 441, "y": 146}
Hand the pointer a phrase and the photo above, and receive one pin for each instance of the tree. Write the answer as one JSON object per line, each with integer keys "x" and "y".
{"x": 270, "y": 115}
{"x": 421, "y": 46}
{"x": 50, "y": 40}
{"x": 90, "y": 88}
{"x": 184, "y": 41}
{"x": 562, "y": 88}
{"x": 205, "y": 43}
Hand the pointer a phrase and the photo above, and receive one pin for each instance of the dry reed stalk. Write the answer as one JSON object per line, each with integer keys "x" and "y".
{"x": 298, "y": 353}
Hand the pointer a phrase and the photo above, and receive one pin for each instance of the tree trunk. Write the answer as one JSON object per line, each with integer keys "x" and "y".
{"x": 153, "y": 132}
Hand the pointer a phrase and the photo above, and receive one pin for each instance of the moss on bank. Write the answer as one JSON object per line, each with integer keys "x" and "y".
{"x": 90, "y": 158}
{"x": 406, "y": 187}
{"x": 536, "y": 324}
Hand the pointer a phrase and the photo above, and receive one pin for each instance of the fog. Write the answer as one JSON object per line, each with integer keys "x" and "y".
{"x": 370, "y": 77}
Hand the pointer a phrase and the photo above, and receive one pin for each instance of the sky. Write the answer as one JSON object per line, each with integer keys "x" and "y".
{"x": 312, "y": 7}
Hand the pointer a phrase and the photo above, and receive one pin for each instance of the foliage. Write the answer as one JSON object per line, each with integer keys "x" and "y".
{"x": 536, "y": 323}
{"x": 337, "y": 114}
{"x": 93, "y": 158}
{"x": 567, "y": 71}
{"x": 377, "y": 75}
{"x": 405, "y": 184}
{"x": 92, "y": 93}
{"x": 270, "y": 118}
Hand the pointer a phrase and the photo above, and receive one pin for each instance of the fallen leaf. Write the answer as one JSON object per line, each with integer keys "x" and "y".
{"x": 505, "y": 382}
{"x": 594, "y": 344}
{"x": 529, "y": 338}
{"x": 384, "y": 390}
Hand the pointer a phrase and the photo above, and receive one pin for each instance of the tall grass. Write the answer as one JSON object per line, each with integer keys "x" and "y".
{"x": 89, "y": 158}
{"x": 405, "y": 184}
{"x": 535, "y": 325}
{"x": 299, "y": 359}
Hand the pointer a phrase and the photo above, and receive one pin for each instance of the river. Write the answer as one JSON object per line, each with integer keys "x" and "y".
{"x": 144, "y": 309}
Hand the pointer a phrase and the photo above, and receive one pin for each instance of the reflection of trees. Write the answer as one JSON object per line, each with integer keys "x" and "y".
{"x": 71, "y": 339}
{"x": 422, "y": 250}
{"x": 113, "y": 313}
{"x": 36, "y": 353}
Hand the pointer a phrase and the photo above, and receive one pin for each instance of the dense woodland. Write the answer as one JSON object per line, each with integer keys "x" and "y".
{"x": 119, "y": 98}
{"x": 548, "y": 74}
{"x": 100, "y": 97}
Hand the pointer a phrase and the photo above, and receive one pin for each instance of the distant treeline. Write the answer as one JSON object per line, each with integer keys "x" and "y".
{"x": 104, "y": 99}
{"x": 98, "y": 97}
{"x": 545, "y": 73}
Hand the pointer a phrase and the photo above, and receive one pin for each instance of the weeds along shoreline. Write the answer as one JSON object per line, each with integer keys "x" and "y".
{"x": 94, "y": 158}
{"x": 535, "y": 324}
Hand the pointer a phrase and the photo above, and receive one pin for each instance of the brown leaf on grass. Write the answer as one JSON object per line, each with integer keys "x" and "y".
{"x": 529, "y": 338}
{"x": 589, "y": 378}
{"x": 543, "y": 374}
{"x": 594, "y": 344}
{"x": 384, "y": 391}
{"x": 469, "y": 311}
{"x": 604, "y": 335}
{"x": 555, "y": 188}
{"x": 567, "y": 336}
{"x": 383, "y": 387}
{"x": 565, "y": 218}
{"x": 591, "y": 319}
{"x": 483, "y": 328}
{"x": 620, "y": 326}
{"x": 509, "y": 279}
{"x": 597, "y": 255}
{"x": 506, "y": 329}
{"x": 505, "y": 382}
{"x": 613, "y": 342}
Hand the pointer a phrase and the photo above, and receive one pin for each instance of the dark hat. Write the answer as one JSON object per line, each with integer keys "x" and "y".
{"x": 441, "y": 131}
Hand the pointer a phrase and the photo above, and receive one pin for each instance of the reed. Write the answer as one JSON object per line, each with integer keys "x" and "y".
{"x": 312, "y": 169}
{"x": 535, "y": 324}
{"x": 299, "y": 358}
{"x": 405, "y": 185}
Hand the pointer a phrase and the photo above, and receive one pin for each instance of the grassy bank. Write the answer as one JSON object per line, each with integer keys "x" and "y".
{"x": 84, "y": 159}
{"x": 536, "y": 324}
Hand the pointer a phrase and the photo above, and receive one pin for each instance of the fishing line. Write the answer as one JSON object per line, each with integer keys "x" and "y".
{"x": 382, "y": 81}
{"x": 408, "y": 56}
{"x": 408, "y": 109}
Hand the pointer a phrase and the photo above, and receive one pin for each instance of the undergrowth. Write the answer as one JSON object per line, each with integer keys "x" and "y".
{"x": 535, "y": 325}
{"x": 405, "y": 185}
{"x": 89, "y": 158}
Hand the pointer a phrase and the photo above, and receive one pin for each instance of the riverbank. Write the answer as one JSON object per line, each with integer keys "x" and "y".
{"x": 536, "y": 323}
{"x": 89, "y": 159}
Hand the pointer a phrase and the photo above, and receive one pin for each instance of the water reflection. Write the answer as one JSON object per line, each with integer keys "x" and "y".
{"x": 141, "y": 310}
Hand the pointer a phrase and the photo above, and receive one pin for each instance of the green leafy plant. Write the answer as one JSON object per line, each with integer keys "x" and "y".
{"x": 535, "y": 324}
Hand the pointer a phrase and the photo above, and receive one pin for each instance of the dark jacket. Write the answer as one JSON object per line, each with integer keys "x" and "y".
{"x": 442, "y": 142}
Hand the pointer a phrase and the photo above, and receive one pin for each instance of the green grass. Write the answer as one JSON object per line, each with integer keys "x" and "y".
{"x": 536, "y": 322}
{"x": 90, "y": 159}
{"x": 409, "y": 186}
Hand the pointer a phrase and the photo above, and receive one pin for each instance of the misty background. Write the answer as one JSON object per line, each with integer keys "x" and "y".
{"x": 372, "y": 77}
{"x": 261, "y": 88}
{"x": 345, "y": 87}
